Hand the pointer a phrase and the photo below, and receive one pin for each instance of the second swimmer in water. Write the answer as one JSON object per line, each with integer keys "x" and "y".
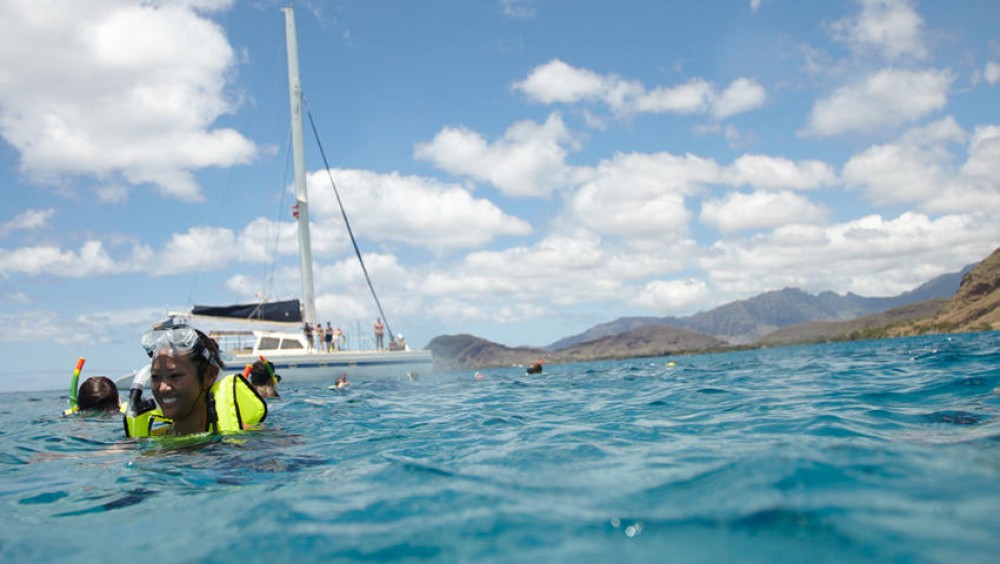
{"x": 264, "y": 380}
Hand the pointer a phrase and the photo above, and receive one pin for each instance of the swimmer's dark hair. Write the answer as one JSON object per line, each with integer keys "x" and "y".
{"x": 98, "y": 393}
{"x": 260, "y": 374}
{"x": 197, "y": 356}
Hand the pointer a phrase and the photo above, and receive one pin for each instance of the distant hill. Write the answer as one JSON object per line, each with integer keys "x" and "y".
{"x": 962, "y": 301}
{"x": 747, "y": 321}
{"x": 865, "y": 327}
{"x": 974, "y": 307}
{"x": 457, "y": 352}
{"x": 650, "y": 340}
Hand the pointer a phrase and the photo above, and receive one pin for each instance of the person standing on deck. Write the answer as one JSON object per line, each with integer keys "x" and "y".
{"x": 329, "y": 337}
{"x": 379, "y": 334}
{"x": 308, "y": 330}
{"x": 320, "y": 337}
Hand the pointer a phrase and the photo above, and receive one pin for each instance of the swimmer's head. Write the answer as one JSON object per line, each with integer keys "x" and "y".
{"x": 98, "y": 393}
{"x": 262, "y": 374}
{"x": 185, "y": 341}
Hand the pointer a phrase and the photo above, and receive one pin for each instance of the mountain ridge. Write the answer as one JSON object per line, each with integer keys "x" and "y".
{"x": 747, "y": 321}
{"x": 780, "y": 317}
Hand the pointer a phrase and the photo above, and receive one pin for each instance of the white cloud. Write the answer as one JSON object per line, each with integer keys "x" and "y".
{"x": 558, "y": 272}
{"x": 28, "y": 220}
{"x": 641, "y": 195}
{"x": 669, "y": 296}
{"x": 919, "y": 168}
{"x": 200, "y": 249}
{"x": 37, "y": 326}
{"x": 17, "y": 297}
{"x": 518, "y": 8}
{"x": 43, "y": 326}
{"x": 91, "y": 260}
{"x": 560, "y": 269}
{"x": 693, "y": 97}
{"x": 112, "y": 193}
{"x": 115, "y": 88}
{"x": 739, "y": 211}
{"x": 742, "y": 96}
{"x": 888, "y": 98}
{"x": 992, "y": 72}
{"x": 862, "y": 256}
{"x": 891, "y": 28}
{"x": 984, "y": 154}
{"x": 263, "y": 238}
{"x": 557, "y": 82}
{"x": 417, "y": 211}
{"x": 895, "y": 174}
{"x": 763, "y": 171}
{"x": 529, "y": 160}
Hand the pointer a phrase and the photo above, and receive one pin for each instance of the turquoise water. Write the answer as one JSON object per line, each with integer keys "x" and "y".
{"x": 881, "y": 451}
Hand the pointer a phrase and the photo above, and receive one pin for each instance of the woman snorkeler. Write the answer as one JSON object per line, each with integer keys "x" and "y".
{"x": 189, "y": 396}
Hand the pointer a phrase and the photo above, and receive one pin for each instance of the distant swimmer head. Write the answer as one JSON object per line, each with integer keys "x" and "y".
{"x": 262, "y": 374}
{"x": 98, "y": 393}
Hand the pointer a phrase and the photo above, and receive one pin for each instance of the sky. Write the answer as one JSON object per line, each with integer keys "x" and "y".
{"x": 518, "y": 170}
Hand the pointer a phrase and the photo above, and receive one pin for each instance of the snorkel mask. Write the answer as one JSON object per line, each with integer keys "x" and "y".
{"x": 181, "y": 339}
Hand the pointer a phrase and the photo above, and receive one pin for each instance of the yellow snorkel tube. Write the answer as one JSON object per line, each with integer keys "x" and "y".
{"x": 73, "y": 385}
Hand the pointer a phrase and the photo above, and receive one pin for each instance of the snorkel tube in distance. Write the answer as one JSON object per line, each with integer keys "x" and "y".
{"x": 74, "y": 381}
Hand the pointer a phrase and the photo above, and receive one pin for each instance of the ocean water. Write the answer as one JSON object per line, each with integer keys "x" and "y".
{"x": 878, "y": 451}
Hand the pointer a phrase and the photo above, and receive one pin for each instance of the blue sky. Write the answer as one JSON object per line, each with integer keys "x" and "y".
{"x": 517, "y": 170}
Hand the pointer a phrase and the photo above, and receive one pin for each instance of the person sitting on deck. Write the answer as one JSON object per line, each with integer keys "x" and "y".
{"x": 398, "y": 344}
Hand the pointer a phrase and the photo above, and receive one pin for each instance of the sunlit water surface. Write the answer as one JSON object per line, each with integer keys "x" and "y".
{"x": 880, "y": 451}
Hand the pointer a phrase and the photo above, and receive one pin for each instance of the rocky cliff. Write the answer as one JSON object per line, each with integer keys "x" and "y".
{"x": 975, "y": 307}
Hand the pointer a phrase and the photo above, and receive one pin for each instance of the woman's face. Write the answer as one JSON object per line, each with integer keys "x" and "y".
{"x": 178, "y": 390}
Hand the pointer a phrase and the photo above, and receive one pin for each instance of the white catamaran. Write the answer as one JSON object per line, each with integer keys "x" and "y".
{"x": 294, "y": 358}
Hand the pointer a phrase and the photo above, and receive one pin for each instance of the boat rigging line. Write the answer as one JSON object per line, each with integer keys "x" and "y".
{"x": 343, "y": 213}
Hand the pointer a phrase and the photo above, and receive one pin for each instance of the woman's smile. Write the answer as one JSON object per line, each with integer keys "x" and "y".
{"x": 179, "y": 390}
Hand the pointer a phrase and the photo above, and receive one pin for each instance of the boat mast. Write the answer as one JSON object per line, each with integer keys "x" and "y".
{"x": 298, "y": 152}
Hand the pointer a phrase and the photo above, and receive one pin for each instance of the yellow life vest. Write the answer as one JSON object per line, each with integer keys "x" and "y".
{"x": 237, "y": 407}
